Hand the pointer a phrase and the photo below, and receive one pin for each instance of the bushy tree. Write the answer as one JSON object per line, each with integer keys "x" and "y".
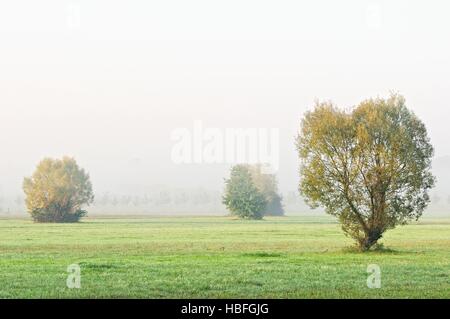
{"x": 370, "y": 167}
{"x": 57, "y": 191}
{"x": 267, "y": 184}
{"x": 242, "y": 196}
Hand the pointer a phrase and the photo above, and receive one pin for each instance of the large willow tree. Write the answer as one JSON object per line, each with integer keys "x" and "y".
{"x": 370, "y": 167}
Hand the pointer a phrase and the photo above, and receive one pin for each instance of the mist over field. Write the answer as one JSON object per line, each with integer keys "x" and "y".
{"x": 170, "y": 150}
{"x": 110, "y": 84}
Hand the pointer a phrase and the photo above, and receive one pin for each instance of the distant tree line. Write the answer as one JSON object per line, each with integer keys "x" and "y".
{"x": 161, "y": 197}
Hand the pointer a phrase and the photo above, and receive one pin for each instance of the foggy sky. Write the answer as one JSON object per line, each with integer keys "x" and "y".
{"x": 108, "y": 81}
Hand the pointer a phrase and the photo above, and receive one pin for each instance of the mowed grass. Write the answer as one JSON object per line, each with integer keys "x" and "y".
{"x": 219, "y": 257}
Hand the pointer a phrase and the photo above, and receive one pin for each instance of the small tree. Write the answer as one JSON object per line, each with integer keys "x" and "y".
{"x": 267, "y": 184}
{"x": 242, "y": 197}
{"x": 57, "y": 191}
{"x": 370, "y": 167}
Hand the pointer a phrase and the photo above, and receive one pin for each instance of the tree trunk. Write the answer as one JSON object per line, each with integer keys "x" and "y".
{"x": 371, "y": 238}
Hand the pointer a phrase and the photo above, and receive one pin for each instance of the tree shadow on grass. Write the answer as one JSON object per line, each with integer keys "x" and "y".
{"x": 262, "y": 255}
{"x": 98, "y": 266}
{"x": 376, "y": 249}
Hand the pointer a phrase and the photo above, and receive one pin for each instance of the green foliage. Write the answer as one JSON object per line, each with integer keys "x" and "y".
{"x": 57, "y": 191}
{"x": 370, "y": 167}
{"x": 242, "y": 196}
{"x": 267, "y": 184}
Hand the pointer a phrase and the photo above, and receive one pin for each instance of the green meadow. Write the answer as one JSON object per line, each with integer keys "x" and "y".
{"x": 219, "y": 257}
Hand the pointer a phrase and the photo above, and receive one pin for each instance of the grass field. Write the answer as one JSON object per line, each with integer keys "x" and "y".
{"x": 218, "y": 257}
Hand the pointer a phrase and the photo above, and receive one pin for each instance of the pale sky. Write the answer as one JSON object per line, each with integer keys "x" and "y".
{"x": 108, "y": 81}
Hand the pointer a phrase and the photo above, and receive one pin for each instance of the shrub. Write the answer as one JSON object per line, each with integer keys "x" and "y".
{"x": 242, "y": 197}
{"x": 57, "y": 190}
{"x": 267, "y": 184}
